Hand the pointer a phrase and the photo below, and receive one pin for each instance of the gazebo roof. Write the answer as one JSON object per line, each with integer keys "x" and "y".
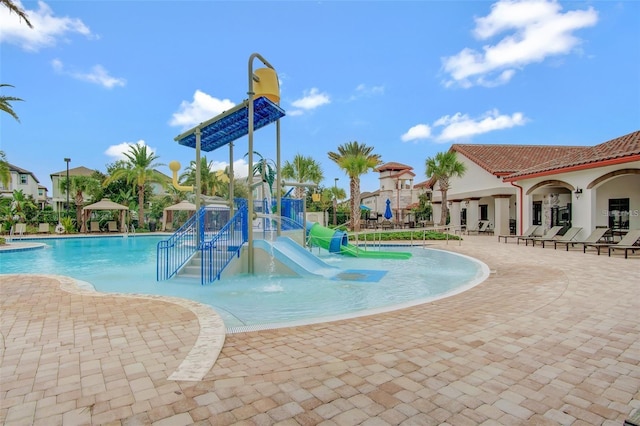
{"x": 182, "y": 205}
{"x": 105, "y": 204}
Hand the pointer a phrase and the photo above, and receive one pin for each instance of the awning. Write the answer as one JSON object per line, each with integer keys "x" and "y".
{"x": 363, "y": 207}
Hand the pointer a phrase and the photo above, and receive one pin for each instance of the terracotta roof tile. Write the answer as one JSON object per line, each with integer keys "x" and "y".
{"x": 507, "y": 159}
{"x": 627, "y": 146}
{"x": 393, "y": 166}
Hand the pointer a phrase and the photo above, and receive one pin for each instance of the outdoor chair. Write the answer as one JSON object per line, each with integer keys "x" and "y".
{"x": 627, "y": 243}
{"x": 552, "y": 232}
{"x": 528, "y": 233}
{"x": 387, "y": 225}
{"x": 486, "y": 227}
{"x": 595, "y": 237}
{"x": 20, "y": 229}
{"x": 95, "y": 226}
{"x": 44, "y": 228}
{"x": 568, "y": 236}
{"x": 112, "y": 226}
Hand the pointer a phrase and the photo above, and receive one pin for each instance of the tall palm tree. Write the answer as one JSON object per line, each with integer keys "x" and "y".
{"x": 6, "y": 106}
{"x": 138, "y": 169}
{"x": 302, "y": 169}
{"x": 5, "y": 173}
{"x": 264, "y": 169}
{"x": 355, "y": 159}
{"x": 443, "y": 167}
{"x": 212, "y": 182}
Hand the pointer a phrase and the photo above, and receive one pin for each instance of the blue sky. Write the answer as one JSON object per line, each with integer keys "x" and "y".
{"x": 409, "y": 78}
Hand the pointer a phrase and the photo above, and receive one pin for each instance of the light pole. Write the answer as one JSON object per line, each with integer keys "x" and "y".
{"x": 335, "y": 201}
{"x": 67, "y": 160}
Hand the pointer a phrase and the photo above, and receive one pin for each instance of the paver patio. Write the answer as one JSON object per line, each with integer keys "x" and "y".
{"x": 551, "y": 338}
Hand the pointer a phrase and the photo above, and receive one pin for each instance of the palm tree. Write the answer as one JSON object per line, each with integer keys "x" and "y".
{"x": 302, "y": 169}
{"x": 6, "y": 106}
{"x": 355, "y": 159}
{"x": 211, "y": 182}
{"x": 21, "y": 203}
{"x": 80, "y": 185}
{"x": 17, "y": 10}
{"x": 138, "y": 169}
{"x": 264, "y": 169}
{"x": 4, "y": 100}
{"x": 5, "y": 173}
{"x": 442, "y": 167}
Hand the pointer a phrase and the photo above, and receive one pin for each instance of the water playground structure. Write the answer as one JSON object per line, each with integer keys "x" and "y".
{"x": 219, "y": 239}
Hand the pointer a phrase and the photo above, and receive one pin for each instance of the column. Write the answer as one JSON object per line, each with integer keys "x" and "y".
{"x": 501, "y": 219}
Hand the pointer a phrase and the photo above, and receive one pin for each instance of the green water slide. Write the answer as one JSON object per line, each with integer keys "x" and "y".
{"x": 338, "y": 242}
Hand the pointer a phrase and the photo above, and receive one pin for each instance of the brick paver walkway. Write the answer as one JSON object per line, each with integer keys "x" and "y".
{"x": 551, "y": 338}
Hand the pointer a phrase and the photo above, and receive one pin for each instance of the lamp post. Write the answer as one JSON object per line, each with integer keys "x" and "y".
{"x": 67, "y": 160}
{"x": 335, "y": 201}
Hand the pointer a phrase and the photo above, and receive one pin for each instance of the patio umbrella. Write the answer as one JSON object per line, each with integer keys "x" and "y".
{"x": 387, "y": 210}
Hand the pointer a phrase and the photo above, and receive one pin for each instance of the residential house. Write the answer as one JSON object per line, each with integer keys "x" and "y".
{"x": 22, "y": 179}
{"x": 59, "y": 195}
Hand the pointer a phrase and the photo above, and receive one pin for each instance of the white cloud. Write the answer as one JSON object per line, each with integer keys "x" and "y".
{"x": 461, "y": 126}
{"x": 98, "y": 75}
{"x": 419, "y": 131}
{"x": 202, "y": 108}
{"x": 311, "y": 99}
{"x": 537, "y": 30}
{"x": 47, "y": 29}
{"x": 240, "y": 167}
{"x": 362, "y": 90}
{"x": 117, "y": 151}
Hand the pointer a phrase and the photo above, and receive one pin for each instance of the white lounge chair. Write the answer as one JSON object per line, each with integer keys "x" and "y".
{"x": 627, "y": 243}
{"x": 595, "y": 237}
{"x": 552, "y": 232}
{"x": 530, "y": 231}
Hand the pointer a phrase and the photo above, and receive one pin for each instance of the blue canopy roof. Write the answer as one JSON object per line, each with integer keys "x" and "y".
{"x": 232, "y": 124}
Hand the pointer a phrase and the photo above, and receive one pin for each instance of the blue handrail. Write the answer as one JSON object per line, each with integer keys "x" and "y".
{"x": 217, "y": 252}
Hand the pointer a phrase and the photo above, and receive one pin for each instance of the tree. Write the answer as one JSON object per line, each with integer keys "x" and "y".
{"x": 212, "y": 182}
{"x": 302, "y": 169}
{"x": 5, "y": 173}
{"x": 442, "y": 168}
{"x": 5, "y": 100}
{"x": 21, "y": 204}
{"x": 138, "y": 169}
{"x": 79, "y": 185}
{"x": 6, "y": 106}
{"x": 264, "y": 169}
{"x": 355, "y": 159}
{"x": 17, "y": 10}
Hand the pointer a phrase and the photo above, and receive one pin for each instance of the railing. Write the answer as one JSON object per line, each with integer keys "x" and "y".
{"x": 218, "y": 251}
{"x": 203, "y": 232}
{"x": 173, "y": 253}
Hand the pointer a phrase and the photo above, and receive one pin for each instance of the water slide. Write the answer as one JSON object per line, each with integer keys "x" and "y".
{"x": 338, "y": 242}
{"x": 296, "y": 258}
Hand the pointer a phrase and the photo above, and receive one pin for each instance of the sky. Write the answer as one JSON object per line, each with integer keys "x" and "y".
{"x": 408, "y": 78}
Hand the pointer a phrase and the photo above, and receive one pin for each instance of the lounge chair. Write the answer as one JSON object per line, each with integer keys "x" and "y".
{"x": 595, "y": 237}
{"x": 552, "y": 232}
{"x": 20, "y": 229}
{"x": 43, "y": 228}
{"x": 112, "y": 226}
{"x": 627, "y": 243}
{"x": 528, "y": 233}
{"x": 95, "y": 226}
{"x": 570, "y": 235}
{"x": 485, "y": 227}
{"x": 632, "y": 247}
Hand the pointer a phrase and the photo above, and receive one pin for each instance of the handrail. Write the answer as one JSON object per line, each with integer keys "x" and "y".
{"x": 217, "y": 252}
{"x": 173, "y": 253}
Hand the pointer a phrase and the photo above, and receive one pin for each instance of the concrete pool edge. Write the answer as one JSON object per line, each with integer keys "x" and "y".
{"x": 205, "y": 351}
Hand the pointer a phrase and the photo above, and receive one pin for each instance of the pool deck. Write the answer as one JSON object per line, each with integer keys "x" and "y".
{"x": 551, "y": 338}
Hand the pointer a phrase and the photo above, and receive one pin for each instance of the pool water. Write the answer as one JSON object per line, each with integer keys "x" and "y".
{"x": 128, "y": 265}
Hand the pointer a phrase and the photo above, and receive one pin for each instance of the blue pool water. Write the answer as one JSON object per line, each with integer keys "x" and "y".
{"x": 128, "y": 265}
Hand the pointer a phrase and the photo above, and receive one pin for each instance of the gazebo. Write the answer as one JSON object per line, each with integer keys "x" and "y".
{"x": 167, "y": 213}
{"x": 104, "y": 204}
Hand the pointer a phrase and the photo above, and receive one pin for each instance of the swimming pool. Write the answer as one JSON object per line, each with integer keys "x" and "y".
{"x": 128, "y": 265}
